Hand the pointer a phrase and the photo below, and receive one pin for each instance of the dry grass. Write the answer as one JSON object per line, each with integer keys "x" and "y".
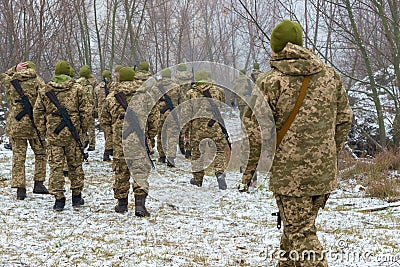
{"x": 379, "y": 176}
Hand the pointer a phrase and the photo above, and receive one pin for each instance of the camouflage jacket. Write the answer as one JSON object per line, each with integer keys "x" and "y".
{"x": 254, "y": 73}
{"x": 31, "y": 85}
{"x": 113, "y": 114}
{"x": 73, "y": 99}
{"x": 173, "y": 91}
{"x": 197, "y": 112}
{"x": 141, "y": 77}
{"x": 305, "y": 163}
{"x": 243, "y": 87}
{"x": 184, "y": 80}
{"x": 88, "y": 88}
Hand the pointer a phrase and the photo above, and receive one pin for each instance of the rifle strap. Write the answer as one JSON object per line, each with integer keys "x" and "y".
{"x": 294, "y": 112}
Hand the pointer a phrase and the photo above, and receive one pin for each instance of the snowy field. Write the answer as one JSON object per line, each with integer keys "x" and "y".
{"x": 226, "y": 229}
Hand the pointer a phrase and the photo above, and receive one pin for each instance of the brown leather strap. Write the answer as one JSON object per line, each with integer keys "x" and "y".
{"x": 293, "y": 114}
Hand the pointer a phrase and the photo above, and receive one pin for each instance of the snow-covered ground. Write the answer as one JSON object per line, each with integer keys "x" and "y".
{"x": 227, "y": 229}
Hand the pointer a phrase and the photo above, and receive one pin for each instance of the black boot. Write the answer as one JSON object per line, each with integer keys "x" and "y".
{"x": 161, "y": 159}
{"x": 171, "y": 162}
{"x": 221, "y": 181}
{"x": 140, "y": 208}
{"x": 65, "y": 173}
{"x": 107, "y": 154}
{"x": 197, "y": 183}
{"x": 21, "y": 193}
{"x": 39, "y": 188}
{"x": 122, "y": 205}
{"x": 77, "y": 201}
{"x": 8, "y": 146}
{"x": 59, "y": 204}
{"x": 188, "y": 154}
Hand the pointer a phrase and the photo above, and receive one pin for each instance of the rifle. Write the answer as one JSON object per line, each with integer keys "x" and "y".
{"x": 106, "y": 90}
{"x": 170, "y": 105}
{"x": 133, "y": 124}
{"x": 27, "y": 110}
{"x": 218, "y": 117}
{"x": 66, "y": 122}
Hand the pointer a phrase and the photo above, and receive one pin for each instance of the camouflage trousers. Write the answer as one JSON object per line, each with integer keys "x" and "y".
{"x": 299, "y": 240}
{"x": 20, "y": 146}
{"x": 91, "y": 135}
{"x": 200, "y": 159}
{"x": 122, "y": 176}
{"x": 165, "y": 137}
{"x": 57, "y": 156}
{"x": 108, "y": 141}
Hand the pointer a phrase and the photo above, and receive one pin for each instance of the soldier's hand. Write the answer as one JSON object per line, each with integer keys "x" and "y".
{"x": 21, "y": 65}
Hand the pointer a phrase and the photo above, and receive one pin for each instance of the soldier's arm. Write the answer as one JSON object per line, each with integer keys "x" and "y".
{"x": 344, "y": 116}
{"x": 39, "y": 114}
{"x": 105, "y": 118}
{"x": 85, "y": 110}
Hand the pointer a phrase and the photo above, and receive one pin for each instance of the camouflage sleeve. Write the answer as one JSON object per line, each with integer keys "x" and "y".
{"x": 39, "y": 114}
{"x": 152, "y": 122}
{"x": 85, "y": 110}
{"x": 105, "y": 118}
{"x": 96, "y": 93}
{"x": 253, "y": 132}
{"x": 343, "y": 117}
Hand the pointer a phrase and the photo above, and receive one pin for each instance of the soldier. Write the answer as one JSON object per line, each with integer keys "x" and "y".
{"x": 184, "y": 79}
{"x": 200, "y": 128}
{"x": 85, "y": 79}
{"x": 75, "y": 108}
{"x": 5, "y": 81}
{"x": 255, "y": 73}
{"x": 113, "y": 115}
{"x": 171, "y": 95}
{"x": 304, "y": 168}
{"x": 141, "y": 77}
{"x": 101, "y": 91}
{"x": 23, "y": 129}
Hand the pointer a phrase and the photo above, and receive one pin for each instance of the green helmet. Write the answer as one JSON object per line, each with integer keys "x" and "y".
{"x": 286, "y": 31}
{"x": 166, "y": 73}
{"x": 31, "y": 65}
{"x": 117, "y": 68}
{"x": 63, "y": 67}
{"x": 84, "y": 71}
{"x": 181, "y": 67}
{"x": 256, "y": 66}
{"x": 202, "y": 76}
{"x": 126, "y": 74}
{"x": 144, "y": 66}
{"x": 106, "y": 74}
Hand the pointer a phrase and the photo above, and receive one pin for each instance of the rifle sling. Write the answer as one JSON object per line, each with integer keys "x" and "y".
{"x": 294, "y": 112}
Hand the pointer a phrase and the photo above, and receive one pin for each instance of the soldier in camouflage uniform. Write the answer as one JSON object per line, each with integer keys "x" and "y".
{"x": 184, "y": 79}
{"x": 140, "y": 77}
{"x": 255, "y": 72}
{"x": 5, "y": 81}
{"x": 101, "y": 91}
{"x": 199, "y": 128}
{"x": 113, "y": 117}
{"x": 174, "y": 92}
{"x": 86, "y": 80}
{"x": 22, "y": 131}
{"x": 62, "y": 145}
{"x": 304, "y": 168}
